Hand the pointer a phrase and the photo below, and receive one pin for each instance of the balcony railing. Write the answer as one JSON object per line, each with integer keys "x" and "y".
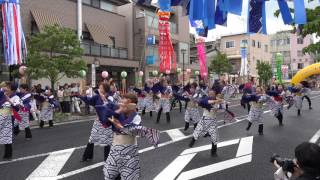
{"x": 153, "y": 23}
{"x": 103, "y": 51}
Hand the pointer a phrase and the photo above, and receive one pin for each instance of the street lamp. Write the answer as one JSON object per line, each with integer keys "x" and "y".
{"x": 183, "y": 51}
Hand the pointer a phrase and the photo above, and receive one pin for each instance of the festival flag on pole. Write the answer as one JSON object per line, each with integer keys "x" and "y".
{"x": 257, "y": 17}
{"x": 300, "y": 16}
{"x": 13, "y": 36}
{"x": 221, "y": 13}
{"x": 285, "y": 12}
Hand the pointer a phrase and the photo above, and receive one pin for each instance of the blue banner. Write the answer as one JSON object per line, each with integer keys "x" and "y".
{"x": 300, "y": 16}
{"x": 234, "y": 7}
{"x": 285, "y": 12}
{"x": 221, "y": 14}
{"x": 257, "y": 17}
{"x": 151, "y": 40}
{"x": 165, "y": 5}
{"x": 151, "y": 60}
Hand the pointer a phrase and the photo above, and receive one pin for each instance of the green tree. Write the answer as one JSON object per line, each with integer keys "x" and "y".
{"x": 264, "y": 71}
{"x": 54, "y": 54}
{"x": 220, "y": 64}
{"x": 311, "y": 27}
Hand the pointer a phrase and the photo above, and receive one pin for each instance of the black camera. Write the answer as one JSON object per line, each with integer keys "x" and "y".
{"x": 286, "y": 164}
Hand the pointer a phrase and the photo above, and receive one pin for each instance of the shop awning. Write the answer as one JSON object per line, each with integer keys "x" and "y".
{"x": 99, "y": 34}
{"x": 45, "y": 18}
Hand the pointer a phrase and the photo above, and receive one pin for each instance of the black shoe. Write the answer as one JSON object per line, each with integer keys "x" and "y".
{"x": 51, "y": 123}
{"x": 28, "y": 133}
{"x": 310, "y": 107}
{"x": 106, "y": 152}
{"x": 260, "y": 129}
{"x": 186, "y": 126}
{"x": 192, "y": 142}
{"x": 214, "y": 150}
{"x": 7, "y": 152}
{"x": 299, "y": 112}
{"x": 168, "y": 117}
{"x": 41, "y": 124}
{"x": 16, "y": 130}
{"x": 150, "y": 113}
{"x": 280, "y": 119}
{"x": 88, "y": 153}
{"x": 249, "y": 126}
{"x": 159, "y": 115}
{"x": 195, "y": 125}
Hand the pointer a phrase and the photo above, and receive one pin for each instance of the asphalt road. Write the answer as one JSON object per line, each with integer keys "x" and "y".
{"x": 56, "y": 153}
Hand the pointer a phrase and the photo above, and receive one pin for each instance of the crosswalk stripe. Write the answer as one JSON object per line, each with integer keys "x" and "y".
{"x": 196, "y": 173}
{"x": 245, "y": 146}
{"x": 52, "y": 165}
{"x": 175, "y": 134}
{"x": 315, "y": 137}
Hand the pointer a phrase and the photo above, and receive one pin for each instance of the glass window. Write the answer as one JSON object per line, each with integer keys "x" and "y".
{"x": 294, "y": 60}
{"x": 300, "y": 65}
{"x": 95, "y": 3}
{"x": 300, "y": 40}
{"x": 244, "y": 42}
{"x": 259, "y": 44}
{"x": 299, "y": 53}
{"x": 288, "y": 41}
{"x": 229, "y": 44}
{"x": 86, "y": 2}
{"x": 265, "y": 48}
{"x": 106, "y": 6}
{"x": 306, "y": 60}
{"x": 253, "y": 43}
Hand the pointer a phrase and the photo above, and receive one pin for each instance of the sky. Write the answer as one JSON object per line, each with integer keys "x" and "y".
{"x": 238, "y": 24}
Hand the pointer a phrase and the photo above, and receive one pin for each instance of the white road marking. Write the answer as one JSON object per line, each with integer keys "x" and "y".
{"x": 207, "y": 147}
{"x": 178, "y": 164}
{"x": 64, "y": 123}
{"x": 199, "y": 172}
{"x": 52, "y": 165}
{"x": 101, "y": 163}
{"x": 35, "y": 156}
{"x": 79, "y": 171}
{"x": 245, "y": 146}
{"x": 315, "y": 137}
{"x": 175, "y": 134}
{"x": 174, "y": 168}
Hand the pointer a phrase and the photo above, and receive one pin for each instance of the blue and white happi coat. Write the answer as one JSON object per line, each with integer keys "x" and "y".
{"x": 208, "y": 123}
{"x": 123, "y": 159}
{"x": 192, "y": 113}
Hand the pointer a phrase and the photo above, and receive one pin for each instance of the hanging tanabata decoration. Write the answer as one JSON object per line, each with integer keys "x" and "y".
{"x": 257, "y": 17}
{"x": 13, "y": 36}
{"x": 202, "y": 58}
{"x": 279, "y": 62}
{"x": 166, "y": 50}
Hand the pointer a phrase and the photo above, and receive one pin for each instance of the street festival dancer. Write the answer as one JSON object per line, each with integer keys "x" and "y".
{"x": 192, "y": 114}
{"x": 24, "y": 112}
{"x": 99, "y": 134}
{"x": 9, "y": 105}
{"x": 149, "y": 102}
{"x": 48, "y": 104}
{"x": 256, "y": 111}
{"x": 276, "y": 103}
{"x": 164, "y": 92}
{"x": 123, "y": 160}
{"x": 209, "y": 123}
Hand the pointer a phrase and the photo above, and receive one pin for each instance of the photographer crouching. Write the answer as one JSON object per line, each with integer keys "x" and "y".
{"x": 305, "y": 166}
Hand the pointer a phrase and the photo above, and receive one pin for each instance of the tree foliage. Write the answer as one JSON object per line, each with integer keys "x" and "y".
{"x": 311, "y": 27}
{"x": 54, "y": 54}
{"x": 264, "y": 71}
{"x": 220, "y": 64}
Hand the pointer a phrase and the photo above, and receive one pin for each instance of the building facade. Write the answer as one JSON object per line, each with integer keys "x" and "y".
{"x": 257, "y": 46}
{"x": 290, "y": 46}
{"x": 143, "y": 23}
{"x": 105, "y": 37}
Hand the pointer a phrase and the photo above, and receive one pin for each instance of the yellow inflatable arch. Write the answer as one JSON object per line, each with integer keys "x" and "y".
{"x": 306, "y": 72}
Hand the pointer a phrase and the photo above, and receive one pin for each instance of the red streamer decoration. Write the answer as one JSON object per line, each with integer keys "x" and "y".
{"x": 166, "y": 52}
{"x": 202, "y": 58}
